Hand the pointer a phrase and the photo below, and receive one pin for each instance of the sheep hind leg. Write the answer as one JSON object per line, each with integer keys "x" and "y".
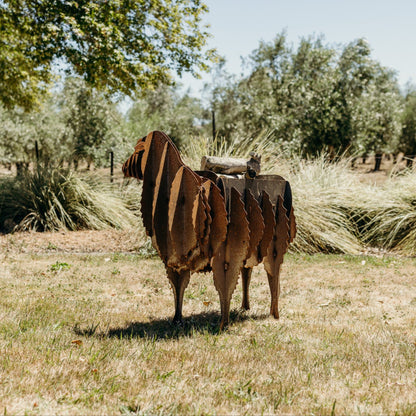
{"x": 225, "y": 311}
{"x": 179, "y": 281}
{"x": 274, "y": 284}
{"x": 246, "y": 277}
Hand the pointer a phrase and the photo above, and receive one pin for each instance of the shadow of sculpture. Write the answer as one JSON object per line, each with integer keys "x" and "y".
{"x": 203, "y": 323}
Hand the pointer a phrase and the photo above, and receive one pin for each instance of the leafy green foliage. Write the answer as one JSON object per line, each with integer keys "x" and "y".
{"x": 90, "y": 122}
{"x": 313, "y": 98}
{"x": 19, "y": 131}
{"x": 59, "y": 266}
{"x": 77, "y": 123}
{"x": 121, "y": 46}
{"x": 408, "y": 135}
{"x": 178, "y": 115}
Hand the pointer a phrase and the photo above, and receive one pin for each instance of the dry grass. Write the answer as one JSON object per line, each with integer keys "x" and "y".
{"x": 90, "y": 334}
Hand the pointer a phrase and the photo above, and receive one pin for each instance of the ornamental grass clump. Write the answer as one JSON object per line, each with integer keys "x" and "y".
{"x": 325, "y": 207}
{"x": 50, "y": 199}
{"x": 325, "y": 194}
{"x": 391, "y": 213}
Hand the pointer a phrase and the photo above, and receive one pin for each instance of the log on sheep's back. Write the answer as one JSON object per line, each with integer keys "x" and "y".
{"x": 202, "y": 221}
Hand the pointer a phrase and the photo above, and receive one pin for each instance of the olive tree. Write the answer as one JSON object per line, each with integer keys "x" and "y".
{"x": 407, "y": 143}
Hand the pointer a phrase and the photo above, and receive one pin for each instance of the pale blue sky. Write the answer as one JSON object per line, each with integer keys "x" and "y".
{"x": 237, "y": 27}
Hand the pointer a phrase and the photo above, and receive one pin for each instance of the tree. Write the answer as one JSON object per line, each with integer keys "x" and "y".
{"x": 89, "y": 120}
{"x": 178, "y": 115}
{"x": 290, "y": 94}
{"x": 76, "y": 123}
{"x": 407, "y": 143}
{"x": 122, "y": 46}
{"x": 21, "y": 131}
{"x": 371, "y": 103}
{"x": 315, "y": 98}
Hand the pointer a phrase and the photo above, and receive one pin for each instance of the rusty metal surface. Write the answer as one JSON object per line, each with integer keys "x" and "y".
{"x": 272, "y": 184}
{"x": 228, "y": 262}
{"x": 218, "y": 226}
{"x": 160, "y": 209}
{"x": 184, "y": 191}
{"x": 256, "y": 226}
{"x": 201, "y": 220}
{"x": 269, "y": 222}
{"x": 275, "y": 252}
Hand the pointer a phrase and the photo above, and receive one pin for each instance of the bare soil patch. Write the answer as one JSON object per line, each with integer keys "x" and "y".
{"x": 90, "y": 241}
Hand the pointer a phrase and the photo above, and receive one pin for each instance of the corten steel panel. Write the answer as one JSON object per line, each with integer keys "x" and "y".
{"x": 218, "y": 231}
{"x": 269, "y": 221}
{"x": 169, "y": 166}
{"x": 184, "y": 191}
{"x": 256, "y": 226}
{"x": 229, "y": 261}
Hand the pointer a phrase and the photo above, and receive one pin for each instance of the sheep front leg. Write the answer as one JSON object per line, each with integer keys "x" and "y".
{"x": 179, "y": 281}
{"x": 246, "y": 277}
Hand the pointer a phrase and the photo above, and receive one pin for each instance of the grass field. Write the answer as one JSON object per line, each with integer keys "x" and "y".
{"x": 89, "y": 333}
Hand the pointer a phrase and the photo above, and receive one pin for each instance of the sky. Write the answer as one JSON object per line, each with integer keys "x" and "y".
{"x": 237, "y": 27}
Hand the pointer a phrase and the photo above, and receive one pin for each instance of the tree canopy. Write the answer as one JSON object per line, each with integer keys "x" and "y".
{"x": 178, "y": 114}
{"x": 408, "y": 135}
{"x": 122, "y": 46}
{"x": 314, "y": 98}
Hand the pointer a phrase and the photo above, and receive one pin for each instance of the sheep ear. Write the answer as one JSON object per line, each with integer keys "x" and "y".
{"x": 139, "y": 146}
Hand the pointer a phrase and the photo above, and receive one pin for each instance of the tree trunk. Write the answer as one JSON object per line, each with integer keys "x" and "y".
{"x": 378, "y": 157}
{"x": 21, "y": 167}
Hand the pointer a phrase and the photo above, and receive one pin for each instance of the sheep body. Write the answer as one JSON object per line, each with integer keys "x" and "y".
{"x": 201, "y": 221}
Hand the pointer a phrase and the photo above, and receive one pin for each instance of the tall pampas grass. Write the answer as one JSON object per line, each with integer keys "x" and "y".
{"x": 391, "y": 213}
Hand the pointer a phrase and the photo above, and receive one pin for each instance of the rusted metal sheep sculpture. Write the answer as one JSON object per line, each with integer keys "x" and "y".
{"x": 202, "y": 221}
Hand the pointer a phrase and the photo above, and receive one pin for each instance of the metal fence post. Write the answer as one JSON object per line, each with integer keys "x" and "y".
{"x": 111, "y": 166}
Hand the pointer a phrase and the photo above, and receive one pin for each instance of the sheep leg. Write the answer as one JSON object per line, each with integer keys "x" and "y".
{"x": 229, "y": 283}
{"x": 274, "y": 284}
{"x": 275, "y": 252}
{"x": 179, "y": 281}
{"x": 246, "y": 277}
{"x": 225, "y": 311}
{"x": 225, "y": 280}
